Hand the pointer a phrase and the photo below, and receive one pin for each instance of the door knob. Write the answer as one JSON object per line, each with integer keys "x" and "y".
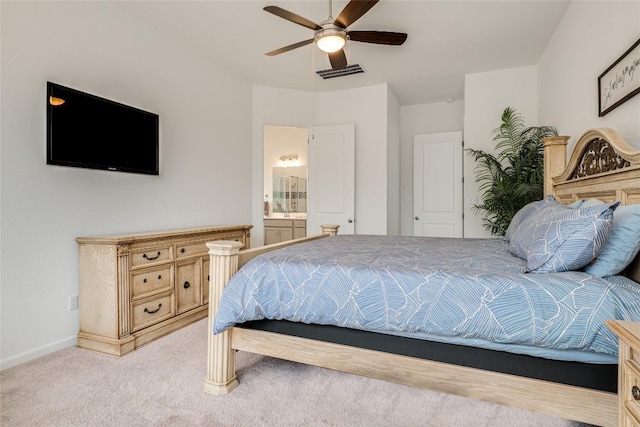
{"x": 416, "y": 218}
{"x": 349, "y": 220}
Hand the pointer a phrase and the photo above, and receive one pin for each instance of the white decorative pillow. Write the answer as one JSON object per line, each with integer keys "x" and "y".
{"x": 566, "y": 240}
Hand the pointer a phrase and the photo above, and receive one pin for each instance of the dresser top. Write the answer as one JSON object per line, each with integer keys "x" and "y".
{"x": 128, "y": 238}
{"x": 628, "y": 331}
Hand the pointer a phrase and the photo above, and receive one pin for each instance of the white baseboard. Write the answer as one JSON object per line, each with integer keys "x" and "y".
{"x": 38, "y": 352}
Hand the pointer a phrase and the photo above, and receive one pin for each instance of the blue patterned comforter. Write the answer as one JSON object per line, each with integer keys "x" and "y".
{"x": 464, "y": 291}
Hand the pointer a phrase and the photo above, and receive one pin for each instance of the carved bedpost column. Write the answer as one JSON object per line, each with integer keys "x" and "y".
{"x": 330, "y": 229}
{"x": 555, "y": 160}
{"x": 221, "y": 362}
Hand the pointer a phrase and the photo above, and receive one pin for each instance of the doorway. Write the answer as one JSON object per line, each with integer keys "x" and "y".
{"x": 437, "y": 185}
{"x": 285, "y": 171}
{"x": 329, "y": 198}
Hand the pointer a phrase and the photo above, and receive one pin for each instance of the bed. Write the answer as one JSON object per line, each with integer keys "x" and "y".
{"x": 603, "y": 167}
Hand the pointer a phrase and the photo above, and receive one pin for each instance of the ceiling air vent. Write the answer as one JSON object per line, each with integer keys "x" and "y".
{"x": 349, "y": 69}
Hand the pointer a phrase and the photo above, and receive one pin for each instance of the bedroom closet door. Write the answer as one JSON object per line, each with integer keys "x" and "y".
{"x": 437, "y": 184}
{"x": 331, "y": 183}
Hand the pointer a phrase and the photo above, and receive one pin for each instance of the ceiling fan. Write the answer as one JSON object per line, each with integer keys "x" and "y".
{"x": 331, "y": 35}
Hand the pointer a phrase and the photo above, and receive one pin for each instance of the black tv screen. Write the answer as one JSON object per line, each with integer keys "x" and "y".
{"x": 87, "y": 131}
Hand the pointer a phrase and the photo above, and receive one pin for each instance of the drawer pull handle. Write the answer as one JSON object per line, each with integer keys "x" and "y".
{"x": 182, "y": 250}
{"x": 187, "y": 285}
{"x": 159, "y": 277}
{"x": 151, "y": 258}
{"x": 146, "y": 310}
{"x": 635, "y": 391}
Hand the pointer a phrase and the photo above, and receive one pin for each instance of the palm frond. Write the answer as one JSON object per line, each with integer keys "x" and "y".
{"x": 513, "y": 176}
{"x": 508, "y": 135}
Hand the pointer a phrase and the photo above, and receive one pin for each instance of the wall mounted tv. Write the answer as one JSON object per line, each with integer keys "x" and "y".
{"x": 87, "y": 131}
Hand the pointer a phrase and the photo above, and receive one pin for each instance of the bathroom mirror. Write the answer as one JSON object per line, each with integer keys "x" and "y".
{"x": 290, "y": 189}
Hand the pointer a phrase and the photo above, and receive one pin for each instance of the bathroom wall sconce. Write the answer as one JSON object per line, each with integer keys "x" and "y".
{"x": 289, "y": 161}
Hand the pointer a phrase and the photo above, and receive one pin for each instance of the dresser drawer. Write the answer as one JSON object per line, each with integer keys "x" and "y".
{"x": 278, "y": 223}
{"x": 191, "y": 249}
{"x": 151, "y": 281}
{"x": 234, "y": 237}
{"x": 628, "y": 420}
{"x": 151, "y": 255}
{"x": 631, "y": 385}
{"x": 151, "y": 311}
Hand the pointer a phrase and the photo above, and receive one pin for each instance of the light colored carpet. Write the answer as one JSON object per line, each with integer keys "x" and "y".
{"x": 160, "y": 384}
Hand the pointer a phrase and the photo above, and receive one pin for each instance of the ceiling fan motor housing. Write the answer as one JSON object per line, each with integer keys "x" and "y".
{"x": 330, "y": 38}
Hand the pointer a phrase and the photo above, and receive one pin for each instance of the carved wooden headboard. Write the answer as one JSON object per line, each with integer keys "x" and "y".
{"x": 601, "y": 166}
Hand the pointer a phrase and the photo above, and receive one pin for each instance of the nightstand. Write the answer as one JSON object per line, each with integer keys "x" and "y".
{"x": 628, "y": 372}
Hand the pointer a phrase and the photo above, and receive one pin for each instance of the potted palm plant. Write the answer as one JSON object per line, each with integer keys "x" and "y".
{"x": 513, "y": 176}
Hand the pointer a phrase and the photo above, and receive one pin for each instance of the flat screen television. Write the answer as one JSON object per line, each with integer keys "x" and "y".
{"x": 87, "y": 131}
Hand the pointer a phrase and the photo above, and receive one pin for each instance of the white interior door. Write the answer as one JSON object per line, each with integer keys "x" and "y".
{"x": 331, "y": 184}
{"x": 437, "y": 184}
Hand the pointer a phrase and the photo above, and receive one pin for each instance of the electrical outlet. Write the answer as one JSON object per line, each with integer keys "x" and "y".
{"x": 473, "y": 200}
{"x": 73, "y": 302}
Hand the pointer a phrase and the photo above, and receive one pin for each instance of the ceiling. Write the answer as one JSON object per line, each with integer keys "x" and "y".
{"x": 447, "y": 39}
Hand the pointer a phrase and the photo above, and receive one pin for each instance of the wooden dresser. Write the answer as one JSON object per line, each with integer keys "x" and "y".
{"x": 628, "y": 372}
{"x": 135, "y": 288}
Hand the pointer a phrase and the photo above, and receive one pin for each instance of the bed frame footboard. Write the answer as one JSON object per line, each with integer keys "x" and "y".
{"x": 226, "y": 259}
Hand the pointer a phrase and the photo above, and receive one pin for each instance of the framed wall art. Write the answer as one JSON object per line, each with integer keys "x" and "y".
{"x": 619, "y": 82}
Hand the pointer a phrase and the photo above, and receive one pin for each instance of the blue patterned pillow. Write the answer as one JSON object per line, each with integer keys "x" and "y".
{"x": 592, "y": 202}
{"x": 525, "y": 212}
{"x": 570, "y": 239}
{"x": 576, "y": 204}
{"x": 623, "y": 244}
{"x": 522, "y": 236}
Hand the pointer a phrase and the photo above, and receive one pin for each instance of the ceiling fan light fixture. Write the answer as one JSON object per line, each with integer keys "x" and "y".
{"x": 330, "y": 39}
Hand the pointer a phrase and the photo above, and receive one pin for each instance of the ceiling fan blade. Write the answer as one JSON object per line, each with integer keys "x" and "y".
{"x": 378, "y": 37}
{"x": 288, "y": 48}
{"x": 338, "y": 60}
{"x": 290, "y": 16}
{"x": 353, "y": 11}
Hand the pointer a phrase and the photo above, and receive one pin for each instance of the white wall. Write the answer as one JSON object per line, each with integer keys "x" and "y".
{"x": 414, "y": 120}
{"x": 366, "y": 107}
{"x": 393, "y": 164}
{"x": 590, "y": 37}
{"x": 205, "y": 159}
{"x": 486, "y": 96}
